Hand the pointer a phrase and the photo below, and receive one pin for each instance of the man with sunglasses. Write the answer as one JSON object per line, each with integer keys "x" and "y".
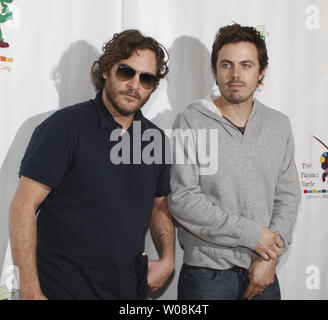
{"x": 88, "y": 238}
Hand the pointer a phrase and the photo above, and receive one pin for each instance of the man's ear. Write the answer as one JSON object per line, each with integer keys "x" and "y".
{"x": 262, "y": 74}
{"x": 215, "y": 76}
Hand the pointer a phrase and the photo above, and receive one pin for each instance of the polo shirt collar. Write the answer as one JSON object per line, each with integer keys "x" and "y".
{"x": 106, "y": 119}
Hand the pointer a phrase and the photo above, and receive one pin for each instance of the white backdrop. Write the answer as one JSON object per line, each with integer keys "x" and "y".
{"x": 53, "y": 44}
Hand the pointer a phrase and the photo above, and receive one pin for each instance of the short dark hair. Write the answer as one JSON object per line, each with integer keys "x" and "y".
{"x": 237, "y": 33}
{"x": 122, "y": 46}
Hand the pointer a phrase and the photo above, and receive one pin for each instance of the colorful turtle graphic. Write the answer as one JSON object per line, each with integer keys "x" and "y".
{"x": 5, "y": 15}
{"x": 323, "y": 161}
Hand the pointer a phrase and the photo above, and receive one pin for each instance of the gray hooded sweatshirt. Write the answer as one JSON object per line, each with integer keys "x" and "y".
{"x": 220, "y": 213}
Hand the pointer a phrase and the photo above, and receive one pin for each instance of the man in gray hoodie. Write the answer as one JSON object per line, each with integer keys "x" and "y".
{"x": 234, "y": 221}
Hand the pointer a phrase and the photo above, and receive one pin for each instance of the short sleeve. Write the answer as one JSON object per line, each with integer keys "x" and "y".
{"x": 163, "y": 183}
{"x": 50, "y": 151}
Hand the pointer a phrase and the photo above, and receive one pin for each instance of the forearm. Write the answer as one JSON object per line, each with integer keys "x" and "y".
{"x": 207, "y": 220}
{"x": 162, "y": 229}
{"x": 285, "y": 210}
{"x": 22, "y": 227}
{"x": 287, "y": 196}
{"x": 283, "y": 220}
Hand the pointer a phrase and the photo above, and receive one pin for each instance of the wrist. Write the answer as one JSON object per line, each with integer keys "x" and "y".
{"x": 30, "y": 294}
{"x": 169, "y": 262}
{"x": 29, "y": 291}
{"x": 270, "y": 261}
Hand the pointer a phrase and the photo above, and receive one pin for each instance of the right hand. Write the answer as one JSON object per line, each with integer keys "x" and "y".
{"x": 269, "y": 244}
{"x": 261, "y": 275}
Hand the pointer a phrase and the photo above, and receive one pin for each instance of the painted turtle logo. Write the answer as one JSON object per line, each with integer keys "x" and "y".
{"x": 323, "y": 161}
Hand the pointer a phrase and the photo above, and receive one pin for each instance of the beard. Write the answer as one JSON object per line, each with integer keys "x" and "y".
{"x": 112, "y": 96}
{"x": 235, "y": 98}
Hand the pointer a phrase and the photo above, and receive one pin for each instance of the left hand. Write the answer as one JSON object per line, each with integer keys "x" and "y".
{"x": 261, "y": 275}
{"x": 158, "y": 272}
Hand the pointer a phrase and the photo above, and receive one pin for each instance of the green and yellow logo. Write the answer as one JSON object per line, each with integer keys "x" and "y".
{"x": 5, "y": 15}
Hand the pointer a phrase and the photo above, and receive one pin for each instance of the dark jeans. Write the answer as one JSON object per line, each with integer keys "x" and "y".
{"x": 198, "y": 283}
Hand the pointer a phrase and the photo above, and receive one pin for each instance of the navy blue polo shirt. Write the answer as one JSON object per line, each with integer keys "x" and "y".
{"x": 91, "y": 227}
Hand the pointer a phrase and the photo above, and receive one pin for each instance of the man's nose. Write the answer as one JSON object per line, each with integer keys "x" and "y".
{"x": 134, "y": 83}
{"x": 235, "y": 72}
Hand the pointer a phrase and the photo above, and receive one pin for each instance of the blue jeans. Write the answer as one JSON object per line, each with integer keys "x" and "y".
{"x": 198, "y": 283}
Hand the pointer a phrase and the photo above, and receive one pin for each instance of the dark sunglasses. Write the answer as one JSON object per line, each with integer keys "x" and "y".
{"x": 125, "y": 72}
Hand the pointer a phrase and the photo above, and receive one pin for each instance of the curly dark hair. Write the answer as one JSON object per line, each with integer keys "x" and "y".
{"x": 121, "y": 47}
{"x": 236, "y": 33}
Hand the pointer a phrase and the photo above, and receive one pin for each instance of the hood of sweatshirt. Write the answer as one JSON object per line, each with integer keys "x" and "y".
{"x": 207, "y": 107}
